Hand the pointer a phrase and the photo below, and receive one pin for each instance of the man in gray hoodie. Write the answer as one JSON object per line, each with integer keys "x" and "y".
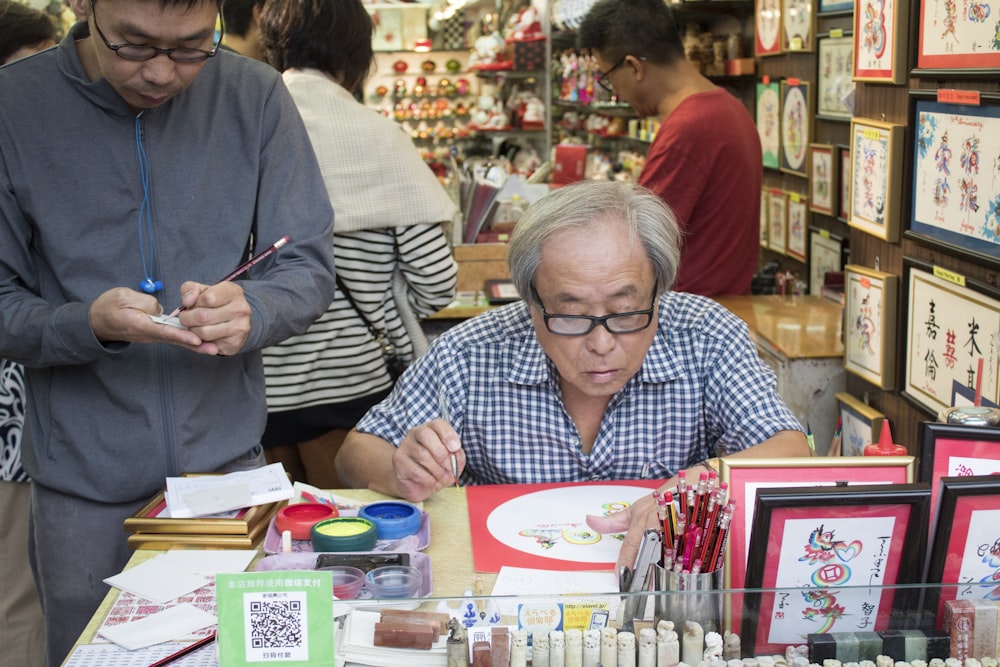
{"x": 139, "y": 165}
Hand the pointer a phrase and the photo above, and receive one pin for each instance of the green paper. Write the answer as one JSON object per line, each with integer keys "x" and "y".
{"x": 275, "y": 618}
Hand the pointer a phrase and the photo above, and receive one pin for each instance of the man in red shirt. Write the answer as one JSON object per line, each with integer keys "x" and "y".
{"x": 705, "y": 161}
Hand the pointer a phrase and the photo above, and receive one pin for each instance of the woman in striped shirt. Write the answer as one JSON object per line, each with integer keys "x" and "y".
{"x": 393, "y": 259}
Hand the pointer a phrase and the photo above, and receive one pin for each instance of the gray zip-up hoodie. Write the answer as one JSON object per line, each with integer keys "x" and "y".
{"x": 109, "y": 421}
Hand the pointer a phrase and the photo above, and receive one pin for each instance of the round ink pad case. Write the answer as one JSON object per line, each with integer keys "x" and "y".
{"x": 299, "y": 519}
{"x": 393, "y": 519}
{"x": 344, "y": 533}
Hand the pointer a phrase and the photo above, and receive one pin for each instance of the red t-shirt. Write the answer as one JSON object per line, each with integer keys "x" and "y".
{"x": 705, "y": 162}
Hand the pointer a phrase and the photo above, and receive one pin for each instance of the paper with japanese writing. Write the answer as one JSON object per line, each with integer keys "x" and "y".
{"x": 949, "y": 329}
{"x": 838, "y": 565}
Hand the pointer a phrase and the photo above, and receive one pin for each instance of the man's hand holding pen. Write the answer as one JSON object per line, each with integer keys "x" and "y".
{"x": 422, "y": 464}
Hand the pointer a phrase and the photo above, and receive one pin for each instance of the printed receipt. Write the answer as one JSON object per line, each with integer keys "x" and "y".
{"x": 169, "y": 321}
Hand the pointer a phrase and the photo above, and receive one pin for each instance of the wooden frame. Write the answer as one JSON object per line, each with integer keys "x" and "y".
{"x": 834, "y": 75}
{"x": 859, "y": 425}
{"x": 956, "y": 450}
{"x": 826, "y": 255}
{"x": 876, "y": 177}
{"x": 765, "y": 205}
{"x": 767, "y": 27}
{"x": 769, "y": 122}
{"x": 880, "y": 30}
{"x": 238, "y": 522}
{"x": 877, "y": 536}
{"x": 964, "y": 546}
{"x": 798, "y": 25}
{"x": 796, "y": 127}
{"x": 950, "y": 321}
{"x": 954, "y": 186}
{"x": 796, "y": 245}
{"x": 822, "y": 179}
{"x": 777, "y": 221}
{"x": 844, "y": 176}
{"x": 870, "y": 324}
{"x": 955, "y": 39}
{"x": 747, "y": 477}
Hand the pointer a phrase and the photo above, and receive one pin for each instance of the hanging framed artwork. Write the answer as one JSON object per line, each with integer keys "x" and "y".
{"x": 956, "y": 450}
{"x": 798, "y": 25}
{"x": 876, "y": 177}
{"x": 798, "y": 226}
{"x": 859, "y": 425}
{"x": 844, "y": 176}
{"x": 870, "y": 325}
{"x": 796, "y": 126}
{"x": 845, "y": 547}
{"x": 964, "y": 545}
{"x": 767, "y": 27}
{"x": 880, "y": 29}
{"x": 826, "y": 255}
{"x": 957, "y": 39}
{"x": 835, "y": 76}
{"x": 765, "y": 205}
{"x": 951, "y": 322}
{"x": 769, "y": 121}
{"x": 747, "y": 477}
{"x": 777, "y": 221}
{"x": 822, "y": 179}
{"x": 956, "y": 186}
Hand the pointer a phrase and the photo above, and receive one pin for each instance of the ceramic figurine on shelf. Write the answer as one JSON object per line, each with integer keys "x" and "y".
{"x": 526, "y": 24}
{"x": 534, "y": 114}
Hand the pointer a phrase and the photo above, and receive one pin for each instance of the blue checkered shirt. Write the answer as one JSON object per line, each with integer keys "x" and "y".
{"x": 702, "y": 391}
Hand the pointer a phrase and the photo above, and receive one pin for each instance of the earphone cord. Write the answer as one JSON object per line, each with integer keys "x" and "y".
{"x": 145, "y": 212}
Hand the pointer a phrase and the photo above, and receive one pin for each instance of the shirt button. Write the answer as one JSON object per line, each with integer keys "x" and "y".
{"x": 595, "y": 478}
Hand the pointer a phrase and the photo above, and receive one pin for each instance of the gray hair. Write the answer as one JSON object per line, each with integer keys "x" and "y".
{"x": 648, "y": 219}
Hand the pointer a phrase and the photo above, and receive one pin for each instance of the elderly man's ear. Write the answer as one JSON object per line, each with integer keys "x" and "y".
{"x": 79, "y": 8}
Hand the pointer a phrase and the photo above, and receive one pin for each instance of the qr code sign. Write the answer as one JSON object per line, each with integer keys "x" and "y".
{"x": 276, "y": 626}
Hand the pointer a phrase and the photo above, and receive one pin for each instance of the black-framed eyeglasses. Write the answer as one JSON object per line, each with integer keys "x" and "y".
{"x": 603, "y": 79}
{"x": 581, "y": 325}
{"x": 137, "y": 52}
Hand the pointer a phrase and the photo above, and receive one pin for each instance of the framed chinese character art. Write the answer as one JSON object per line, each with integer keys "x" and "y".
{"x": 859, "y": 425}
{"x": 880, "y": 29}
{"x": 844, "y": 176}
{"x": 822, "y": 179}
{"x": 798, "y": 226}
{"x": 956, "y": 185}
{"x": 777, "y": 222}
{"x": 767, "y": 27}
{"x": 841, "y": 547}
{"x": 876, "y": 177}
{"x": 796, "y": 126}
{"x": 870, "y": 325}
{"x": 798, "y": 25}
{"x": 826, "y": 255}
{"x": 765, "y": 205}
{"x": 950, "y": 325}
{"x": 835, "y": 69}
{"x": 957, "y": 37}
{"x": 769, "y": 121}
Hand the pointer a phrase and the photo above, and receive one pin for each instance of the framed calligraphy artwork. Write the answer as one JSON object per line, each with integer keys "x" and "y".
{"x": 876, "y": 177}
{"x": 950, "y": 326}
{"x": 767, "y": 27}
{"x": 859, "y": 425}
{"x": 796, "y": 127}
{"x": 798, "y": 226}
{"x": 880, "y": 29}
{"x": 965, "y": 546}
{"x": 822, "y": 179}
{"x": 956, "y": 179}
{"x": 957, "y": 38}
{"x": 956, "y": 450}
{"x": 835, "y": 72}
{"x": 798, "y": 25}
{"x": 837, "y": 548}
{"x": 777, "y": 221}
{"x": 826, "y": 255}
{"x": 765, "y": 204}
{"x": 844, "y": 176}
{"x": 748, "y": 477}
{"x": 769, "y": 122}
{"x": 870, "y": 325}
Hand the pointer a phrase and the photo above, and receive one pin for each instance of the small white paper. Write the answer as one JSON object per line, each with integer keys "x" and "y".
{"x": 175, "y": 573}
{"x": 169, "y": 321}
{"x": 169, "y": 624}
{"x": 267, "y": 485}
{"x": 218, "y": 499}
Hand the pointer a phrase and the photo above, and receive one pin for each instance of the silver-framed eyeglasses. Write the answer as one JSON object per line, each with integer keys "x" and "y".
{"x": 581, "y": 325}
{"x": 603, "y": 79}
{"x": 138, "y": 52}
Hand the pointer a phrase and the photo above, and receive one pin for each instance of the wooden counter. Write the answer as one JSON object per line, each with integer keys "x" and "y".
{"x": 800, "y": 338}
